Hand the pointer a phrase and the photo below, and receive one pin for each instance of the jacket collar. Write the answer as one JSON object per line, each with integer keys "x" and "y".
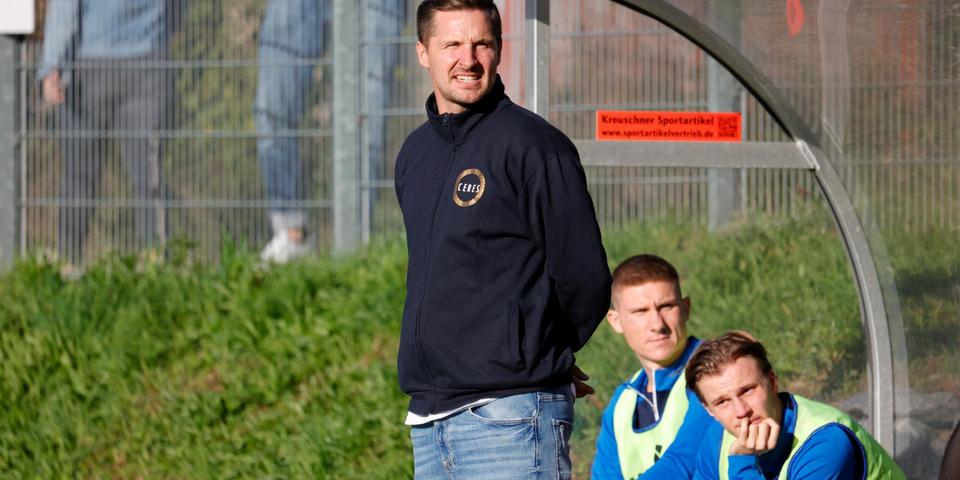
{"x": 666, "y": 377}
{"x": 454, "y": 128}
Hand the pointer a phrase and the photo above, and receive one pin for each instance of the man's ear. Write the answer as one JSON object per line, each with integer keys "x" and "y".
{"x": 422, "y": 55}
{"x": 614, "y": 321}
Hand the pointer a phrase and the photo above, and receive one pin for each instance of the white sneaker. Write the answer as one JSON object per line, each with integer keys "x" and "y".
{"x": 281, "y": 249}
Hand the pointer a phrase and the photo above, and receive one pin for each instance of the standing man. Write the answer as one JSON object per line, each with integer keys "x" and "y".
{"x": 100, "y": 65}
{"x": 293, "y": 37}
{"x": 763, "y": 433}
{"x": 507, "y": 277}
{"x": 653, "y": 424}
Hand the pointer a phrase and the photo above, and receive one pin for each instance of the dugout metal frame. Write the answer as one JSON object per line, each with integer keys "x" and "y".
{"x": 881, "y": 319}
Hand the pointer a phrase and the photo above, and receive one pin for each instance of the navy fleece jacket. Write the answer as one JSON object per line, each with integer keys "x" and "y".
{"x": 507, "y": 277}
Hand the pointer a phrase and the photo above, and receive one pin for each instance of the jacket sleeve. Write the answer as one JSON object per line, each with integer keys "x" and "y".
{"x": 396, "y": 178}
{"x": 744, "y": 467}
{"x": 828, "y": 454}
{"x": 563, "y": 223}
{"x": 679, "y": 461}
{"x": 60, "y": 35}
{"x": 708, "y": 456}
{"x": 606, "y": 460}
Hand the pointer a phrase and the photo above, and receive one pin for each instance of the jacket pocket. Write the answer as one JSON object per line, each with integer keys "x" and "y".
{"x": 515, "y": 329}
{"x": 479, "y": 351}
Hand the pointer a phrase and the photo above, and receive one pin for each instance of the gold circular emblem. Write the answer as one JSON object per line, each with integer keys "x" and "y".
{"x": 465, "y": 188}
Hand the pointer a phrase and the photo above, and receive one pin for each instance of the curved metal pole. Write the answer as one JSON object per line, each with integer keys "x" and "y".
{"x": 872, "y": 307}
{"x": 884, "y": 326}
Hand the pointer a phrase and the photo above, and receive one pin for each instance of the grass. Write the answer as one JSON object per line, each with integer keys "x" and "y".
{"x": 786, "y": 282}
{"x": 926, "y": 268}
{"x": 180, "y": 370}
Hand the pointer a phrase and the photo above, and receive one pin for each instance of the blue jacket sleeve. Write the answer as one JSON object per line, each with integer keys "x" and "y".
{"x": 708, "y": 456}
{"x": 59, "y": 35}
{"x": 745, "y": 467}
{"x": 562, "y": 221}
{"x": 679, "y": 461}
{"x": 606, "y": 460}
{"x": 829, "y": 454}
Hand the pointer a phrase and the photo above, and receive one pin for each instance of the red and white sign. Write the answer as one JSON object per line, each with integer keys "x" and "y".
{"x": 619, "y": 125}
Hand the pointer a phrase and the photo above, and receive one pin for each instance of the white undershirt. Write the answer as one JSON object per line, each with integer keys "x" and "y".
{"x": 414, "y": 419}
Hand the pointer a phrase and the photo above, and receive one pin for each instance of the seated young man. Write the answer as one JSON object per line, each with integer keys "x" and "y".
{"x": 763, "y": 433}
{"x": 653, "y": 424}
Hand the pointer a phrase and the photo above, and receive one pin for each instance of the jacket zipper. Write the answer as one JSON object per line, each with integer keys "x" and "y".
{"x": 426, "y": 266}
{"x": 654, "y": 405}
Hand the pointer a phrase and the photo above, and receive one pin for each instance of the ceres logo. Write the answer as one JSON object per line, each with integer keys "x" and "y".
{"x": 469, "y": 187}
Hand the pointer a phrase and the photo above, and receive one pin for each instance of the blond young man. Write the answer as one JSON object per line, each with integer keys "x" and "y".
{"x": 764, "y": 433}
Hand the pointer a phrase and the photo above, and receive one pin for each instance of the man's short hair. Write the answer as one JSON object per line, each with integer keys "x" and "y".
{"x": 428, "y": 8}
{"x": 713, "y": 355}
{"x": 641, "y": 269}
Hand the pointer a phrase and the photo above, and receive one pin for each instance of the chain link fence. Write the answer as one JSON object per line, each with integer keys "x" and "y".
{"x": 199, "y": 170}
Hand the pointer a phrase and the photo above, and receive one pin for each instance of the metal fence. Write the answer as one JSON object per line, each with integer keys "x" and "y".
{"x": 198, "y": 176}
{"x": 204, "y": 151}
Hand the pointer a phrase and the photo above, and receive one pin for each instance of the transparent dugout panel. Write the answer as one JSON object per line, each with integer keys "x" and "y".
{"x": 875, "y": 87}
{"x": 778, "y": 270}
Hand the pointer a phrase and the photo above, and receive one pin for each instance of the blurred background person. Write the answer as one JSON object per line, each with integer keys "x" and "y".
{"x": 100, "y": 66}
{"x": 294, "y": 35}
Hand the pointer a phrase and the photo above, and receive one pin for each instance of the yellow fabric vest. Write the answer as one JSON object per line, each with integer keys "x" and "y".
{"x": 811, "y": 416}
{"x": 639, "y": 450}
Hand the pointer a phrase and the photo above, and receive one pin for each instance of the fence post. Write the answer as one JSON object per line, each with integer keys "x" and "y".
{"x": 346, "y": 129}
{"x": 724, "y": 197}
{"x": 382, "y": 25}
{"x": 537, "y": 53}
{"x": 8, "y": 149}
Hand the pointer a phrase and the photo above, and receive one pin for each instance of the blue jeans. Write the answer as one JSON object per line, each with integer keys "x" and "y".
{"x": 108, "y": 96}
{"x": 524, "y": 436}
{"x": 292, "y": 40}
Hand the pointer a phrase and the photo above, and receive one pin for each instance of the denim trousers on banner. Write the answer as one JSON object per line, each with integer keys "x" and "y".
{"x": 524, "y": 436}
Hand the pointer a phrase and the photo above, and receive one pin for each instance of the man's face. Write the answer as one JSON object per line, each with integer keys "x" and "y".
{"x": 462, "y": 56}
{"x": 653, "y": 319}
{"x": 741, "y": 395}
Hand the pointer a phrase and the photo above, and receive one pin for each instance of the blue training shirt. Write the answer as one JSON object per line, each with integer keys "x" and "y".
{"x": 679, "y": 459}
{"x": 828, "y": 454}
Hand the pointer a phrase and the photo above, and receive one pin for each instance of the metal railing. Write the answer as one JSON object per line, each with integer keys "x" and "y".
{"x": 600, "y": 57}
